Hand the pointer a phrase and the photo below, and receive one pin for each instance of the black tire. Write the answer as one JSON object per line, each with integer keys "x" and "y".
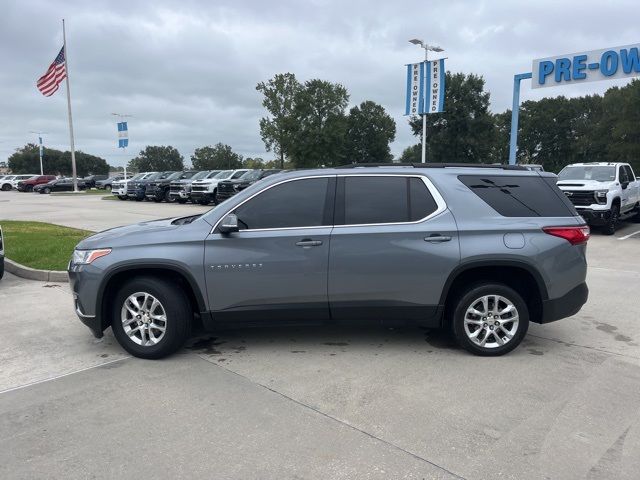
{"x": 612, "y": 223}
{"x": 157, "y": 199}
{"x": 47, "y": 190}
{"x": 167, "y": 196}
{"x": 203, "y": 201}
{"x": 6, "y": 187}
{"x": 468, "y": 299}
{"x": 122, "y": 197}
{"x": 29, "y": 188}
{"x": 178, "y": 313}
{"x": 1, "y": 268}
{"x": 107, "y": 188}
{"x": 215, "y": 197}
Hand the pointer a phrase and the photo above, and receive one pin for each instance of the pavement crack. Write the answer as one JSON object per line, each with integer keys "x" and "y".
{"x": 335, "y": 419}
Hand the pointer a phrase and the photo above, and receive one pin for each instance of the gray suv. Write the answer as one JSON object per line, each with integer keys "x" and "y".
{"x": 482, "y": 251}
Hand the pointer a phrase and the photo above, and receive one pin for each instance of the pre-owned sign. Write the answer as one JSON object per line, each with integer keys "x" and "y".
{"x": 605, "y": 64}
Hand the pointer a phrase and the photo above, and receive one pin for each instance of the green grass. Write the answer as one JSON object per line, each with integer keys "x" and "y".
{"x": 40, "y": 245}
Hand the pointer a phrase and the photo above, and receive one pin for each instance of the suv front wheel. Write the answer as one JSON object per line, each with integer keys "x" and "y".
{"x": 490, "y": 319}
{"x": 151, "y": 318}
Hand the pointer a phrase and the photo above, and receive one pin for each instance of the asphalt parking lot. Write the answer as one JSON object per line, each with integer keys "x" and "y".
{"x": 317, "y": 403}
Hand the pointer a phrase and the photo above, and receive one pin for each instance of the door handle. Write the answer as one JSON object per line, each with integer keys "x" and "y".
{"x": 307, "y": 242}
{"x": 437, "y": 238}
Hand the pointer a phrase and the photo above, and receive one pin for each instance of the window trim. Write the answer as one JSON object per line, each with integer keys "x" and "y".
{"x": 441, "y": 205}
{"x": 213, "y": 230}
{"x": 437, "y": 197}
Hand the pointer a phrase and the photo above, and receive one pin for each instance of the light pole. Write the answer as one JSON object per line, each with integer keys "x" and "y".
{"x": 120, "y": 117}
{"x": 40, "y": 148}
{"x": 427, "y": 49}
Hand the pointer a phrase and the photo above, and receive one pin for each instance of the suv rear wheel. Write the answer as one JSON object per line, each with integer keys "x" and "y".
{"x": 490, "y": 319}
{"x": 151, "y": 318}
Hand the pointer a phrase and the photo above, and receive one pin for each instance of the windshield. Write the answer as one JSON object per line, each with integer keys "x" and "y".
{"x": 10, "y": 177}
{"x": 185, "y": 175}
{"x": 238, "y": 174}
{"x": 251, "y": 175}
{"x": 599, "y": 173}
{"x": 137, "y": 176}
{"x": 172, "y": 176}
{"x": 200, "y": 175}
{"x": 223, "y": 174}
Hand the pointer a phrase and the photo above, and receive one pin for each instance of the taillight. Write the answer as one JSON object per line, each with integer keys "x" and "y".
{"x": 573, "y": 235}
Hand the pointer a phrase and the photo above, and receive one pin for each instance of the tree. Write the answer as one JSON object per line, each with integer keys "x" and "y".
{"x": 218, "y": 157}
{"x": 369, "y": 131}
{"x": 412, "y": 154}
{"x": 465, "y": 131}
{"x": 55, "y": 162}
{"x": 158, "y": 159}
{"x": 253, "y": 162}
{"x": 320, "y": 124}
{"x": 279, "y": 100}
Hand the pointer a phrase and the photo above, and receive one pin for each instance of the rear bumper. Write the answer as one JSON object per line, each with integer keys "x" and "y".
{"x": 565, "y": 306}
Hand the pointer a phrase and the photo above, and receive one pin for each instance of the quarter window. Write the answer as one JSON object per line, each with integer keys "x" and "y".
{"x": 298, "y": 203}
{"x": 391, "y": 199}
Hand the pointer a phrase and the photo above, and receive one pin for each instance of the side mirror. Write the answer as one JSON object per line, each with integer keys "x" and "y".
{"x": 229, "y": 224}
{"x": 624, "y": 185}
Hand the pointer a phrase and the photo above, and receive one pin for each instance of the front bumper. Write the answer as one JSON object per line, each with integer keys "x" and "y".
{"x": 202, "y": 195}
{"x": 179, "y": 194}
{"x": 595, "y": 217}
{"x": 221, "y": 196}
{"x": 565, "y": 306}
{"x": 136, "y": 193}
{"x": 153, "y": 192}
{"x": 84, "y": 282}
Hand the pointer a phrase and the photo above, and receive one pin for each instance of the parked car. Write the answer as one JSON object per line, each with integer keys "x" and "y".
{"x": 11, "y": 181}
{"x": 159, "y": 190}
{"x": 204, "y": 191}
{"x": 228, "y": 188}
{"x": 107, "y": 183}
{"x": 136, "y": 190}
{"x": 603, "y": 193}
{"x": 59, "y": 185}
{"x": 119, "y": 187}
{"x": 482, "y": 251}
{"x": 1, "y": 254}
{"x": 180, "y": 190}
{"x": 90, "y": 180}
{"x": 28, "y": 184}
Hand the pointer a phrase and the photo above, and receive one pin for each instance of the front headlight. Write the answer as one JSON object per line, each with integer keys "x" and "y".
{"x": 85, "y": 257}
{"x": 601, "y": 193}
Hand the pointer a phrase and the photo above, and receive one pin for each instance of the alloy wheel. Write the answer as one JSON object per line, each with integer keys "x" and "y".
{"x": 144, "y": 319}
{"x": 491, "y": 321}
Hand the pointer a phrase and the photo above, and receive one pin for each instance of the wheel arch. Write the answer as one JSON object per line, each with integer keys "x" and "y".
{"x": 112, "y": 281}
{"x": 519, "y": 275}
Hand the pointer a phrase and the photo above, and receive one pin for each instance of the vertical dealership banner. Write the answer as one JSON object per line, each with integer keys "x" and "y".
{"x": 123, "y": 135}
{"x": 434, "y": 87}
{"x": 415, "y": 89}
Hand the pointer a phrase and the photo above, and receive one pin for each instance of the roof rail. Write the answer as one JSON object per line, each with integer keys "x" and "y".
{"x": 435, "y": 165}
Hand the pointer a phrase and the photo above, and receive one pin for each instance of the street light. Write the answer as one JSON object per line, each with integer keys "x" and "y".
{"x": 427, "y": 49}
{"x": 40, "y": 151}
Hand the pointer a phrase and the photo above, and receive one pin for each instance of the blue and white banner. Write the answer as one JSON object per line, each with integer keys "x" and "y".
{"x": 123, "y": 135}
{"x": 435, "y": 86}
{"x": 41, "y": 148}
{"x": 415, "y": 89}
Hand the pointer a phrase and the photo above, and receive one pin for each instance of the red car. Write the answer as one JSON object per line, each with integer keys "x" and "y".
{"x": 27, "y": 185}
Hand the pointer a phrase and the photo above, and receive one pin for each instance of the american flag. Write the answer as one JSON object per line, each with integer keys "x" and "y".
{"x": 50, "y": 81}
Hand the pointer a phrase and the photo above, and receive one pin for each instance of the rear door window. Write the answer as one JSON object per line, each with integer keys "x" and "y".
{"x": 384, "y": 199}
{"x": 520, "y": 196}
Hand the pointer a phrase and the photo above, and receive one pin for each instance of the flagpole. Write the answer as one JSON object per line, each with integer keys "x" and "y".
{"x": 73, "y": 151}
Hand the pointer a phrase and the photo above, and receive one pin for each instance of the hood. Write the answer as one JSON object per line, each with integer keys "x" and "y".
{"x": 138, "y": 233}
{"x": 584, "y": 185}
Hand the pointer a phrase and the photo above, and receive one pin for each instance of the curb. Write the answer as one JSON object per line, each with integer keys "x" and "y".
{"x": 35, "y": 274}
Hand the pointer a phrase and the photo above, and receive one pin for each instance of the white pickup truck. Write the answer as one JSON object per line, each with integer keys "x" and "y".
{"x": 602, "y": 192}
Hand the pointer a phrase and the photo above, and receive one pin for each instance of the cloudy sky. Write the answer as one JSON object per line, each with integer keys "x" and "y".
{"x": 186, "y": 70}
